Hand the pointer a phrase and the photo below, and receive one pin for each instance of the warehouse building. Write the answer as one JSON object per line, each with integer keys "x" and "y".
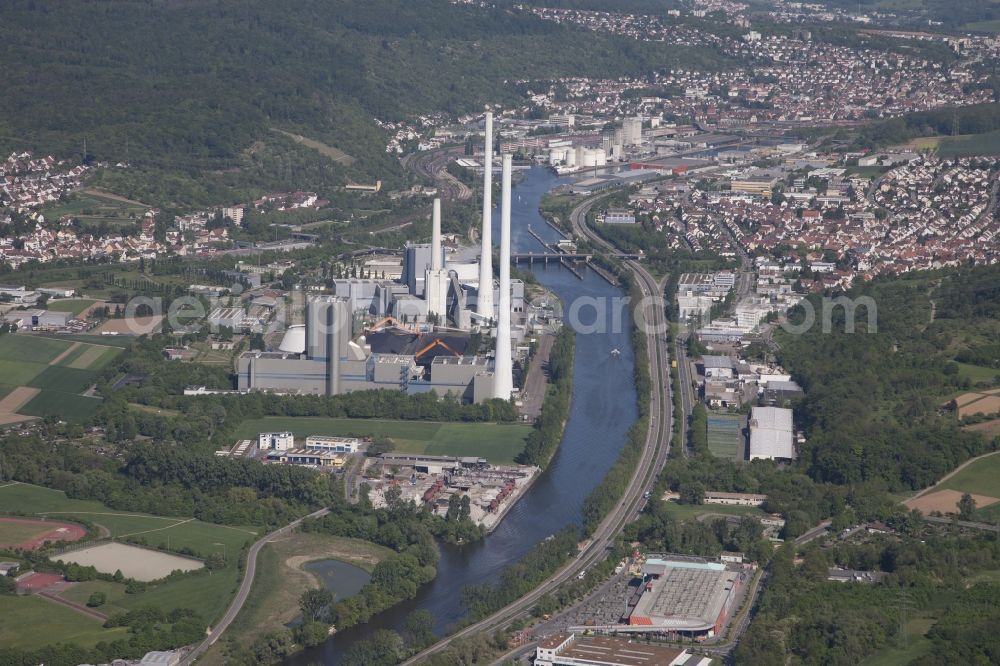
{"x": 564, "y": 649}
{"x": 771, "y": 434}
{"x": 689, "y": 597}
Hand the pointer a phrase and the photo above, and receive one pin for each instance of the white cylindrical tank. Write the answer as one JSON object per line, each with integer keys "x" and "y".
{"x": 294, "y": 340}
{"x": 556, "y": 156}
{"x": 570, "y": 159}
{"x": 588, "y": 159}
{"x": 601, "y": 158}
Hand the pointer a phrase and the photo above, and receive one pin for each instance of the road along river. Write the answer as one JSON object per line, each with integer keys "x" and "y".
{"x": 604, "y": 407}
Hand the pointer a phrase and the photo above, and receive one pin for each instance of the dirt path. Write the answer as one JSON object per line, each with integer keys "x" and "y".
{"x": 953, "y": 473}
{"x": 67, "y": 352}
{"x": 79, "y": 608}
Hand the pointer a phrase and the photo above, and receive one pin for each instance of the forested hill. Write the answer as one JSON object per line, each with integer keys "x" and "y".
{"x": 187, "y": 87}
{"x": 873, "y": 406}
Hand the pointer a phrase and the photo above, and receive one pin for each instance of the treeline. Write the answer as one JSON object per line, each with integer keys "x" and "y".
{"x": 543, "y": 441}
{"x": 975, "y": 119}
{"x": 399, "y": 526}
{"x": 523, "y": 576}
{"x": 824, "y": 622}
{"x": 169, "y": 481}
{"x": 871, "y": 410}
{"x": 149, "y": 629}
{"x": 611, "y": 488}
{"x": 190, "y": 109}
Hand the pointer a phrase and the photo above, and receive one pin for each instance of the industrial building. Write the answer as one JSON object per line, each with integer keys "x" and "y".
{"x": 333, "y": 444}
{"x": 685, "y": 596}
{"x": 565, "y": 649}
{"x": 329, "y": 356}
{"x": 277, "y": 441}
{"x": 771, "y": 434}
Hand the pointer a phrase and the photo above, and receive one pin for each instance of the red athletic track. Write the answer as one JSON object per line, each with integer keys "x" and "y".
{"x": 57, "y": 532}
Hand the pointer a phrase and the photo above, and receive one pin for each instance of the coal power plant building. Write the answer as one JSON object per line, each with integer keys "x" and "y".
{"x": 333, "y": 363}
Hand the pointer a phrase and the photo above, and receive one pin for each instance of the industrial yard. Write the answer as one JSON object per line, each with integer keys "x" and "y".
{"x": 439, "y": 481}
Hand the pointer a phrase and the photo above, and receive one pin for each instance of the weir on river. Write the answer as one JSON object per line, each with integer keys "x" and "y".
{"x": 603, "y": 409}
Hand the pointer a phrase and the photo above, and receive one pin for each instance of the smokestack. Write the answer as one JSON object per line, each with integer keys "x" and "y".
{"x": 436, "y": 237}
{"x": 484, "y": 303}
{"x": 503, "y": 379}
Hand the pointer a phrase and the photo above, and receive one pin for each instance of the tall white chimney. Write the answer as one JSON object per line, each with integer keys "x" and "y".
{"x": 484, "y": 303}
{"x": 436, "y": 236}
{"x": 435, "y": 277}
{"x": 503, "y": 378}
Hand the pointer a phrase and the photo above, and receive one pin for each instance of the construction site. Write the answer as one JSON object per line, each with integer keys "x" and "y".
{"x": 439, "y": 481}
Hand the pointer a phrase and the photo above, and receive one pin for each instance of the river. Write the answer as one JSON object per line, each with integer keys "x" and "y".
{"x": 604, "y": 407}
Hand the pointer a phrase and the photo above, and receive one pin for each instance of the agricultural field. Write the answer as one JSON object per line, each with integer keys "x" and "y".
{"x": 498, "y": 443}
{"x": 43, "y": 375}
{"x": 976, "y": 144}
{"x": 980, "y": 478}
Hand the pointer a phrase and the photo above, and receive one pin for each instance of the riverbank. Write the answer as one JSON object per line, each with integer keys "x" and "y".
{"x": 281, "y": 579}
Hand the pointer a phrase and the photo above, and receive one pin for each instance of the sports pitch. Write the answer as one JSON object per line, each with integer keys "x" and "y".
{"x": 498, "y": 443}
{"x": 134, "y": 562}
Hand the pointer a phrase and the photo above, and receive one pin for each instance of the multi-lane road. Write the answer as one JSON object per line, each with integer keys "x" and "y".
{"x": 654, "y": 455}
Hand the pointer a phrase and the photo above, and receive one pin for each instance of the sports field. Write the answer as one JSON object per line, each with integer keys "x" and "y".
{"x": 31, "y": 534}
{"x": 498, "y": 443}
{"x": 74, "y": 305}
{"x": 134, "y": 562}
{"x": 42, "y": 376}
{"x": 725, "y": 437}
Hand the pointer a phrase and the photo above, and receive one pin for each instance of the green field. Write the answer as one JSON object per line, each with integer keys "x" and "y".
{"x": 498, "y": 443}
{"x": 31, "y": 349}
{"x": 68, "y": 407}
{"x": 977, "y": 373}
{"x": 94, "y": 209}
{"x": 30, "y": 622}
{"x": 209, "y": 593}
{"x": 19, "y": 373}
{"x": 12, "y": 533}
{"x": 687, "y": 511}
{"x": 74, "y": 305}
{"x": 976, "y": 144}
{"x": 983, "y": 26}
{"x": 63, "y": 379}
{"x": 202, "y": 538}
{"x": 980, "y": 478}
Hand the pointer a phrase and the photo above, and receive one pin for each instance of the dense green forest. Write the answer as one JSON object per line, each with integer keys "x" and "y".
{"x": 188, "y": 92}
{"x": 872, "y": 402}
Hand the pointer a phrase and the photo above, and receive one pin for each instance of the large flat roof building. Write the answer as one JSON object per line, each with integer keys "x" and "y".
{"x": 771, "y": 433}
{"x": 682, "y": 596}
{"x": 565, "y": 649}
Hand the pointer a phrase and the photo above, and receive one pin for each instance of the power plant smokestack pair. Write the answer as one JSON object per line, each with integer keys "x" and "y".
{"x": 503, "y": 378}
{"x": 484, "y": 302}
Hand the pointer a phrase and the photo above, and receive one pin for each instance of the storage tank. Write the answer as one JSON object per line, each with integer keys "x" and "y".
{"x": 556, "y": 155}
{"x": 294, "y": 340}
{"x": 588, "y": 159}
{"x": 570, "y": 159}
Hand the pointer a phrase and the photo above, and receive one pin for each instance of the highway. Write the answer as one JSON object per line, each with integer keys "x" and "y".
{"x": 432, "y": 165}
{"x": 654, "y": 456}
{"x": 241, "y": 595}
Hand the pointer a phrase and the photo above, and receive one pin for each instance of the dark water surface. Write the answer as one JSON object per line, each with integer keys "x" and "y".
{"x": 604, "y": 407}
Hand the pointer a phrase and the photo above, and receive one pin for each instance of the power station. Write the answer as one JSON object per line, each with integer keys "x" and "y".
{"x": 418, "y": 334}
